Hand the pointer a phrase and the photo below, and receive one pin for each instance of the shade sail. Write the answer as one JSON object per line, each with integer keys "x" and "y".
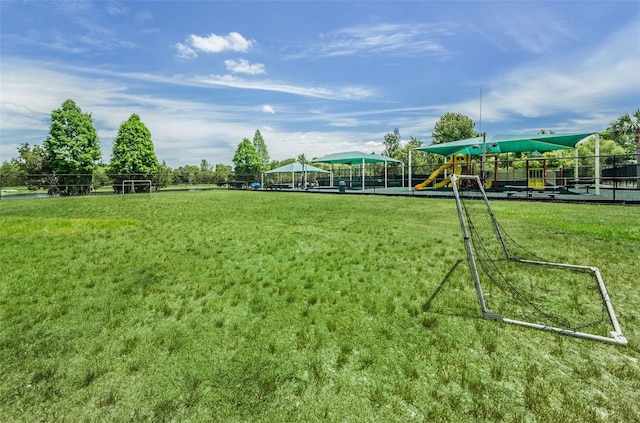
{"x": 357, "y": 158}
{"x": 354, "y": 157}
{"x": 501, "y": 143}
{"x": 297, "y": 168}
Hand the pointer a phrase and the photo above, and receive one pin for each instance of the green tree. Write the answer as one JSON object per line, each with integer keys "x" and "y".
{"x": 261, "y": 148}
{"x": 30, "y": 166}
{"x": 391, "y": 143}
{"x": 163, "y": 177}
{"x": 10, "y": 174}
{"x": 277, "y": 163}
{"x": 566, "y": 158}
{"x": 453, "y": 127}
{"x": 246, "y": 159}
{"x": 402, "y": 153}
{"x": 72, "y": 148}
{"x": 626, "y": 131}
{"x": 100, "y": 176}
{"x": 133, "y": 155}
{"x": 188, "y": 174}
{"x": 627, "y": 126}
{"x": 221, "y": 174}
{"x": 31, "y": 160}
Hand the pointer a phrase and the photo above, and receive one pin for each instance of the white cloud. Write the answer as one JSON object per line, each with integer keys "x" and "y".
{"x": 218, "y": 43}
{"x": 183, "y": 131}
{"x": 243, "y": 66}
{"x": 185, "y": 52}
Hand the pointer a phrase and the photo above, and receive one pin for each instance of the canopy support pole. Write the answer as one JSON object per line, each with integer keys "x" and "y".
{"x": 483, "y": 171}
{"x": 363, "y": 173}
{"x": 576, "y": 177}
{"x": 331, "y": 174}
{"x": 385, "y": 174}
{"x": 410, "y": 185}
{"x": 597, "y": 170}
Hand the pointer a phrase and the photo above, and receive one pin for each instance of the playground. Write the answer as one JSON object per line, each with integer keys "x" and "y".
{"x": 511, "y": 167}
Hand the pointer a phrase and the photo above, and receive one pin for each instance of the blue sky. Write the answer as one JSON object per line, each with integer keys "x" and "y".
{"x": 314, "y": 77}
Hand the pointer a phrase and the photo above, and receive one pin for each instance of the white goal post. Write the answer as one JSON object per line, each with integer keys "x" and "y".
{"x": 133, "y": 183}
{"x": 467, "y": 227}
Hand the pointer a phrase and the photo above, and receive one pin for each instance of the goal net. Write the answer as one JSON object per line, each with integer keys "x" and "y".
{"x": 513, "y": 285}
{"x": 133, "y": 186}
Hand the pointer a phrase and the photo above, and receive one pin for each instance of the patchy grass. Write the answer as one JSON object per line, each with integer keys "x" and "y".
{"x": 255, "y": 306}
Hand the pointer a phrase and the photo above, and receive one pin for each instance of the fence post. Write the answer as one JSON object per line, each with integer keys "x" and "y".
{"x": 615, "y": 177}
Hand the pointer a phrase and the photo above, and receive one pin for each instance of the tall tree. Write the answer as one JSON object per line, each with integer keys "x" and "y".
{"x": 630, "y": 125}
{"x": 453, "y": 127}
{"x": 163, "y": 177}
{"x": 391, "y": 143}
{"x": 277, "y": 163}
{"x": 33, "y": 165}
{"x": 72, "y": 148}
{"x": 246, "y": 159}
{"x": 133, "y": 155}
{"x": 10, "y": 174}
{"x": 222, "y": 173}
{"x": 261, "y": 148}
{"x": 402, "y": 153}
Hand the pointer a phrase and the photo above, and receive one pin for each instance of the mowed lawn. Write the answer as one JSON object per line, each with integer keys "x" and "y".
{"x": 279, "y": 307}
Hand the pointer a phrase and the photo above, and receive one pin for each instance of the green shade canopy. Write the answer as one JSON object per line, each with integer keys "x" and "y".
{"x": 502, "y": 143}
{"x": 354, "y": 157}
{"x": 296, "y": 168}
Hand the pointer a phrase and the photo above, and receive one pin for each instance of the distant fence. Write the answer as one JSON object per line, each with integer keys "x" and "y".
{"x": 611, "y": 172}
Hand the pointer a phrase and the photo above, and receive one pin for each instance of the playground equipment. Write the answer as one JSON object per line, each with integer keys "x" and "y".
{"x": 520, "y": 284}
{"x": 456, "y": 162}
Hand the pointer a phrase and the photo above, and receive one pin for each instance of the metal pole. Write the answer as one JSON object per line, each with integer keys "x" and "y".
{"x": 483, "y": 176}
{"x": 409, "y": 171}
{"x": 467, "y": 246}
{"x": 385, "y": 174}
{"x": 576, "y": 178}
{"x": 597, "y": 169}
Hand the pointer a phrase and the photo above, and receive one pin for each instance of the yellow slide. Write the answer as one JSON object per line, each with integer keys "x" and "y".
{"x": 435, "y": 174}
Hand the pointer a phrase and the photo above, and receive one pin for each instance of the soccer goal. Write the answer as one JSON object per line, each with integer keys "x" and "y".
{"x": 515, "y": 286}
{"x": 133, "y": 186}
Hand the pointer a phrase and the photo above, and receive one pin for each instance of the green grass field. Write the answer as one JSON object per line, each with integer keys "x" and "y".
{"x": 255, "y": 306}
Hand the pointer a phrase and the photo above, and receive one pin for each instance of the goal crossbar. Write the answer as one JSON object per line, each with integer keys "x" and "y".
{"x": 133, "y": 182}
{"x": 616, "y": 334}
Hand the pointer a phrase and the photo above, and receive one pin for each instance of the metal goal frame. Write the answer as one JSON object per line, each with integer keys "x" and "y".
{"x": 616, "y": 335}
{"x": 133, "y": 183}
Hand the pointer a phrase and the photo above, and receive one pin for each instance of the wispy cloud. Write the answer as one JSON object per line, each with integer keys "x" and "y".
{"x": 83, "y": 23}
{"x": 385, "y": 38}
{"x": 583, "y": 89}
{"x": 115, "y": 8}
{"x": 340, "y": 93}
{"x": 522, "y": 26}
{"x": 243, "y": 66}
{"x": 213, "y": 130}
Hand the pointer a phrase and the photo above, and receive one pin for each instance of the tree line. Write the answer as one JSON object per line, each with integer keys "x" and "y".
{"x": 70, "y": 158}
